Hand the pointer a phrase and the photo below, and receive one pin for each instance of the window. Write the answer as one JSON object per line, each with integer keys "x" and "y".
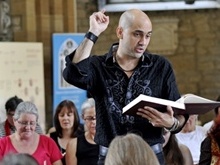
{"x": 151, "y": 5}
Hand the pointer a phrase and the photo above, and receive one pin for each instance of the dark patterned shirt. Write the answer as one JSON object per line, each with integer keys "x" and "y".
{"x": 111, "y": 88}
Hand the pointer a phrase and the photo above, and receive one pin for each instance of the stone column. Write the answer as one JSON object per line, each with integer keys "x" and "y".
{"x": 5, "y": 21}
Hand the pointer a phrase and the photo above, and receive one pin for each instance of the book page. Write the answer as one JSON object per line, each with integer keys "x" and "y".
{"x": 187, "y": 104}
{"x": 191, "y": 98}
{"x": 157, "y": 103}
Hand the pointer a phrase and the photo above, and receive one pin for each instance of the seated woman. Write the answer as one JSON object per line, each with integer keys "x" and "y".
{"x": 7, "y": 127}
{"x": 67, "y": 125}
{"x": 210, "y": 147}
{"x": 130, "y": 149}
{"x": 175, "y": 154}
{"x": 26, "y": 140}
{"x": 83, "y": 150}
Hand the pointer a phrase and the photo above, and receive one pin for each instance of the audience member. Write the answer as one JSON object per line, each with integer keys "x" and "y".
{"x": 19, "y": 159}
{"x": 192, "y": 136}
{"x": 210, "y": 147}
{"x": 83, "y": 150}
{"x": 7, "y": 127}
{"x": 174, "y": 153}
{"x": 66, "y": 122}
{"x": 26, "y": 140}
{"x": 119, "y": 76}
{"x": 130, "y": 149}
{"x": 208, "y": 125}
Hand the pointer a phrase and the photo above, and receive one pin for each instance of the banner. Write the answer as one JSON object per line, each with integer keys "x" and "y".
{"x": 64, "y": 44}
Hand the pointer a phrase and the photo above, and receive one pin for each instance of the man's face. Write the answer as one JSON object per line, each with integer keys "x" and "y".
{"x": 135, "y": 38}
{"x": 135, "y": 42}
{"x": 10, "y": 115}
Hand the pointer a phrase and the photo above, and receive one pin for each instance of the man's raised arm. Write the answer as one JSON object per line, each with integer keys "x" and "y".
{"x": 98, "y": 23}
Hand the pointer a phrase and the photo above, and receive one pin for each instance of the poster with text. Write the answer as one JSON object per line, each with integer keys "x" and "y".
{"x": 22, "y": 74}
{"x": 64, "y": 44}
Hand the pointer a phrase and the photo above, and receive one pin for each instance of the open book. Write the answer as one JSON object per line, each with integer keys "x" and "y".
{"x": 187, "y": 104}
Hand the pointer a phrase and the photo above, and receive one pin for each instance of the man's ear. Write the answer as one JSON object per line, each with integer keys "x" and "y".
{"x": 119, "y": 32}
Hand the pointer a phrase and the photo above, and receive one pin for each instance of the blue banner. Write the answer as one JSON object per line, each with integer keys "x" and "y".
{"x": 64, "y": 44}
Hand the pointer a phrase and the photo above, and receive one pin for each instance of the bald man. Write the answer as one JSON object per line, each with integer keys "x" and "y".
{"x": 119, "y": 76}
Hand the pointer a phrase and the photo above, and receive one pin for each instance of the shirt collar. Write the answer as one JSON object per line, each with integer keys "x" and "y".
{"x": 110, "y": 59}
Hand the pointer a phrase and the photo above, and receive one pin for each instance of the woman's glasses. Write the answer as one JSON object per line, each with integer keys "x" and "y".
{"x": 90, "y": 118}
{"x": 26, "y": 123}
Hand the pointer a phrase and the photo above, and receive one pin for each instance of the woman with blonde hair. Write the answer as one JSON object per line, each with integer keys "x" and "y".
{"x": 130, "y": 149}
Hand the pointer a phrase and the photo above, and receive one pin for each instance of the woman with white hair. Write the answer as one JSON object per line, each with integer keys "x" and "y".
{"x": 83, "y": 150}
{"x": 26, "y": 140}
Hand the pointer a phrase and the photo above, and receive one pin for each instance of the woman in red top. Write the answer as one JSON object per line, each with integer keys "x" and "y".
{"x": 26, "y": 140}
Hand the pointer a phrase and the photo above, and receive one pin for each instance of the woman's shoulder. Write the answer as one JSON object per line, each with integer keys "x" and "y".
{"x": 45, "y": 138}
{"x": 46, "y": 141}
{"x": 5, "y": 139}
{"x": 183, "y": 148}
{"x": 187, "y": 156}
{"x": 72, "y": 143}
